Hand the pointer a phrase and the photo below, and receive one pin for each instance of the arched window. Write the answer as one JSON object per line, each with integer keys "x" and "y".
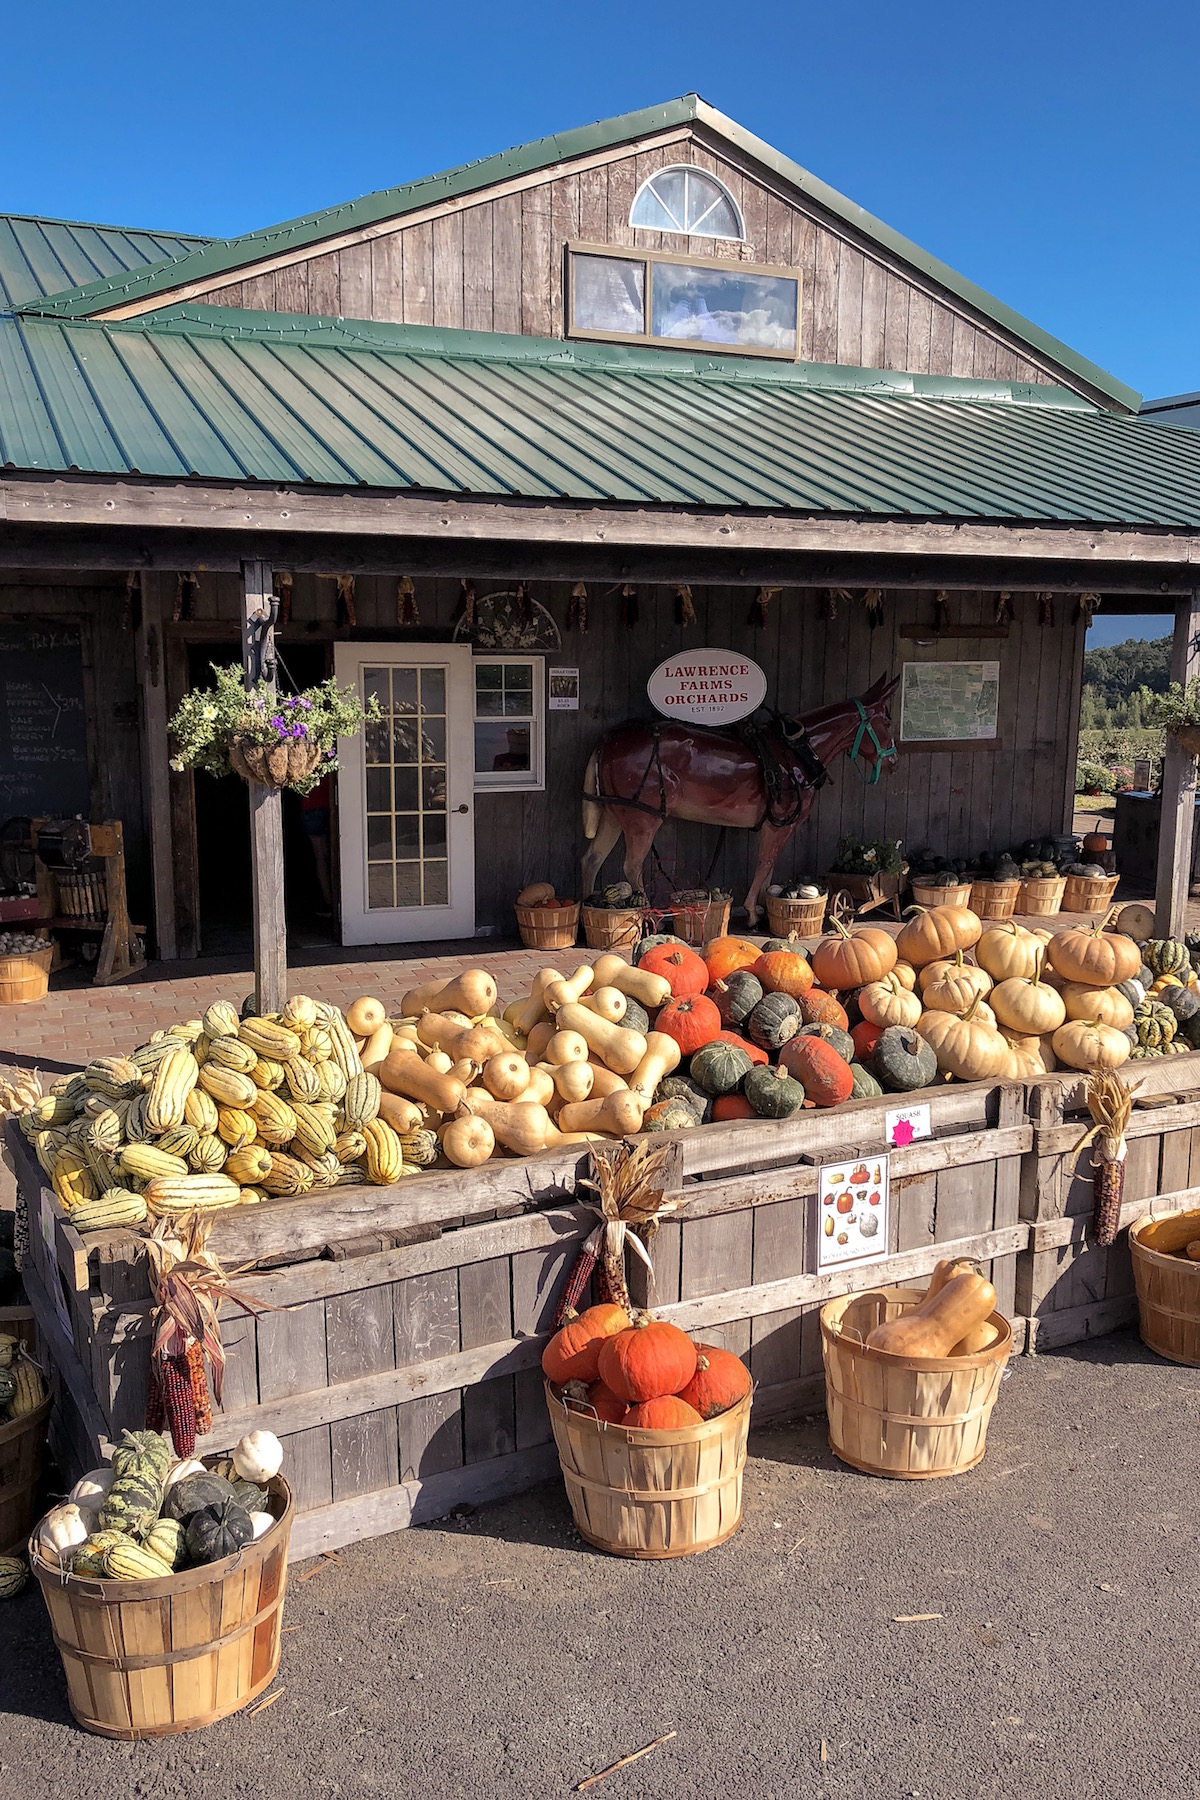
{"x": 686, "y": 200}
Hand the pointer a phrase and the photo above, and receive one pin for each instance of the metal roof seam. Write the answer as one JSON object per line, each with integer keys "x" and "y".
{"x": 65, "y": 456}
{"x": 264, "y": 428}
{"x": 158, "y": 413}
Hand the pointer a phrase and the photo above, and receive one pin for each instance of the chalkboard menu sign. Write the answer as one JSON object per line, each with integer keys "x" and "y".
{"x": 43, "y": 724}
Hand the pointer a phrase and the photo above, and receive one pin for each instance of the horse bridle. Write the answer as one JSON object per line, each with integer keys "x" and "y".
{"x": 870, "y": 774}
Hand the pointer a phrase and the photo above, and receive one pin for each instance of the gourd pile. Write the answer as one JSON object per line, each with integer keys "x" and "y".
{"x": 640, "y": 1373}
{"x": 21, "y": 1387}
{"x": 21, "y": 943}
{"x": 147, "y": 1514}
{"x": 216, "y": 1112}
{"x": 952, "y": 1319}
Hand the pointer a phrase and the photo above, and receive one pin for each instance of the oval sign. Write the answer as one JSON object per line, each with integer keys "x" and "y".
{"x": 707, "y": 687}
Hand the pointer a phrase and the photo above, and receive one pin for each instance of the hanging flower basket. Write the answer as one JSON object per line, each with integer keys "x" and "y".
{"x": 281, "y": 741}
{"x": 282, "y": 765}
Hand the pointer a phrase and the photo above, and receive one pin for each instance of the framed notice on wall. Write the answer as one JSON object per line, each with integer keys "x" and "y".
{"x": 949, "y": 702}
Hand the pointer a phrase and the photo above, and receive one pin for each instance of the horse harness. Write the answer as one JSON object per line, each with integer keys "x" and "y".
{"x": 783, "y": 785}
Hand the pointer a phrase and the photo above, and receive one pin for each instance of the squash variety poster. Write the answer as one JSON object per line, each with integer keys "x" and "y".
{"x": 852, "y": 1210}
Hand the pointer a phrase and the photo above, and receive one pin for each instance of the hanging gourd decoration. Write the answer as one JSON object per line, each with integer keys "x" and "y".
{"x": 720, "y": 1381}
{"x": 954, "y": 986}
{"x": 651, "y": 1359}
{"x": 965, "y": 1044}
{"x": 888, "y": 1002}
{"x": 1031, "y": 1007}
{"x": 693, "y": 1021}
{"x": 825, "y": 1076}
{"x": 784, "y": 972}
{"x": 1008, "y": 952}
{"x": 902, "y": 1061}
{"x": 736, "y": 995}
{"x": 937, "y": 931}
{"x": 1085, "y": 1044}
{"x": 1108, "y": 1006}
{"x": 724, "y": 956}
{"x": 851, "y": 959}
{"x": 1094, "y": 957}
{"x": 573, "y": 1353}
{"x": 686, "y": 972}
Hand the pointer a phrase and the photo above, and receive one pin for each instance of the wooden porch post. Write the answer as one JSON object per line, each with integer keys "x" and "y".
{"x": 1178, "y": 786}
{"x": 266, "y": 803}
{"x": 152, "y": 679}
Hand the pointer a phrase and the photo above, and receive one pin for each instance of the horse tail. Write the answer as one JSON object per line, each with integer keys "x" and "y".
{"x": 592, "y": 812}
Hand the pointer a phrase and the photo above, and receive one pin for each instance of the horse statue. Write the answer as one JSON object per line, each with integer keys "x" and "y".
{"x": 760, "y": 778}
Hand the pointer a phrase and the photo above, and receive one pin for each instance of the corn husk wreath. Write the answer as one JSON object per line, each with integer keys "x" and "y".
{"x": 1110, "y": 1102}
{"x": 627, "y": 1178}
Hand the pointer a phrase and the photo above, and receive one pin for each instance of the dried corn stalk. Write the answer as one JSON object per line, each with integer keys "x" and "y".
{"x": 628, "y": 1179}
{"x": 1110, "y": 1102}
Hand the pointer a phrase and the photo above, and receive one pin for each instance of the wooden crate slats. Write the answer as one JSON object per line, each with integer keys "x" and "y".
{"x": 292, "y": 1359}
{"x": 485, "y": 1318}
{"x": 360, "y": 1340}
{"x": 425, "y": 1311}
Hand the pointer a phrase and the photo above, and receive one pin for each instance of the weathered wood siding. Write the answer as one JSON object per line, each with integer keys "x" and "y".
{"x": 957, "y": 801}
{"x": 497, "y": 265}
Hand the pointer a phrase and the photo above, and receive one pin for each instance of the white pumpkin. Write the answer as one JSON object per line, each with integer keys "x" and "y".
{"x": 190, "y": 1465}
{"x": 262, "y": 1523}
{"x": 91, "y": 1489}
{"x": 64, "y": 1527}
{"x": 258, "y": 1456}
{"x": 808, "y": 893}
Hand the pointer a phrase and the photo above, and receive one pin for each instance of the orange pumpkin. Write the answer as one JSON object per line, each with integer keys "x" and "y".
{"x": 740, "y": 1043}
{"x": 607, "y": 1405}
{"x": 720, "y": 1381}
{"x": 726, "y": 955}
{"x": 650, "y": 1359}
{"x": 865, "y": 1037}
{"x": 663, "y": 1414}
{"x": 784, "y": 972}
{"x": 826, "y": 1078}
{"x": 573, "y": 1353}
{"x": 937, "y": 931}
{"x": 686, "y": 972}
{"x": 851, "y": 959}
{"x": 733, "y": 1106}
{"x": 692, "y": 1021}
{"x": 819, "y": 1008}
{"x": 1093, "y": 957}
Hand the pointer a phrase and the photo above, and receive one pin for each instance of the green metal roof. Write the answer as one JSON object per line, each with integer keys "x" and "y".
{"x": 240, "y": 396}
{"x": 222, "y": 256}
{"x": 42, "y": 256}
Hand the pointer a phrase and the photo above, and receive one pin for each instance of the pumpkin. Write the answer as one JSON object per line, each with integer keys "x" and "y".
{"x": 888, "y": 1002}
{"x": 636, "y": 1017}
{"x": 1008, "y": 952}
{"x": 724, "y": 956}
{"x": 851, "y": 959}
{"x": 865, "y": 1085}
{"x": 955, "y": 985}
{"x": 732, "y": 1106}
{"x": 605, "y": 1404}
{"x": 1028, "y": 1057}
{"x": 649, "y": 1359}
{"x": 719, "y": 1067}
{"x": 1183, "y": 1002}
{"x": 257, "y": 1457}
{"x": 824, "y": 1075}
{"x": 573, "y": 1353}
{"x": 664, "y": 1414}
{"x": 818, "y": 1007}
{"x": 652, "y": 942}
{"x": 217, "y": 1531}
{"x": 939, "y": 1321}
{"x": 1093, "y": 957}
{"x": 682, "y": 1087}
{"x": 736, "y": 996}
{"x": 784, "y": 972}
{"x": 842, "y": 1041}
{"x": 1166, "y": 956}
{"x": 902, "y": 1061}
{"x": 693, "y": 1022}
{"x": 1084, "y": 1044}
{"x": 1108, "y": 1006}
{"x": 669, "y": 1115}
{"x": 740, "y": 1043}
{"x": 906, "y": 975}
{"x": 965, "y": 1044}
{"x": 1028, "y": 1006}
{"x": 864, "y": 1037}
{"x": 774, "y": 1020}
{"x": 937, "y": 931}
{"x": 720, "y": 1381}
{"x": 1133, "y": 990}
{"x": 195, "y": 1492}
{"x": 680, "y": 965}
{"x": 773, "y": 1093}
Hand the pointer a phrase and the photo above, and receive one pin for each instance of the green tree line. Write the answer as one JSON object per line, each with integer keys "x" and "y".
{"x": 1119, "y": 682}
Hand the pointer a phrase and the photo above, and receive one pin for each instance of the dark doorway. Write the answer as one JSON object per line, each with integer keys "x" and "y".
{"x": 223, "y": 835}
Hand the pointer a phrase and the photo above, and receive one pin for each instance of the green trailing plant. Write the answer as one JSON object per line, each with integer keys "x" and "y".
{"x": 210, "y": 720}
{"x": 1178, "y": 710}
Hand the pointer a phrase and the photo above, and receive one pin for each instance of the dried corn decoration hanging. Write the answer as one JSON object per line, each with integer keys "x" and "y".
{"x": 685, "y": 611}
{"x": 873, "y": 601}
{"x": 941, "y": 610}
{"x": 629, "y": 605}
{"x": 1110, "y": 1102}
{"x": 834, "y": 599}
{"x": 1045, "y": 603}
{"x": 524, "y": 604}
{"x": 1086, "y": 607}
{"x": 283, "y": 587}
{"x": 1004, "y": 608}
{"x": 133, "y": 585}
{"x": 347, "y": 612}
{"x": 760, "y": 611}
{"x": 407, "y": 611}
{"x": 629, "y": 1180}
{"x": 185, "y": 597}
{"x": 577, "y": 608}
{"x": 465, "y": 611}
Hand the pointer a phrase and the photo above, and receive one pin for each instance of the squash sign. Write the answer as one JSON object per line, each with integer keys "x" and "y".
{"x": 852, "y": 1211}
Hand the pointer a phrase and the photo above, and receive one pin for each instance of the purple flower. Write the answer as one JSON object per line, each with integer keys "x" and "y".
{"x": 299, "y": 731}
{"x": 278, "y": 723}
{"x": 306, "y": 704}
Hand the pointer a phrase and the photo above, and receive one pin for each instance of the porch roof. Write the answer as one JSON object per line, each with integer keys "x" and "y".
{"x": 238, "y": 396}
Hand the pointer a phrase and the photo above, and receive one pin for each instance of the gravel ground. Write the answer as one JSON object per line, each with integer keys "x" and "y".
{"x": 496, "y": 1655}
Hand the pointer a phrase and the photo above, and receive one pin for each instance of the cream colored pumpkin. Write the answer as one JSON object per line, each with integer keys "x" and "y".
{"x": 1108, "y": 1006}
{"x": 966, "y": 1044}
{"x": 1084, "y": 1044}
{"x": 955, "y": 987}
{"x": 889, "y": 1002}
{"x": 1008, "y": 952}
{"x": 1030, "y": 1006}
{"x": 1029, "y": 1057}
{"x": 906, "y": 975}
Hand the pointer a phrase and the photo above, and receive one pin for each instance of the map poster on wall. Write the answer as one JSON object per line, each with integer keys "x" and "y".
{"x": 949, "y": 702}
{"x": 852, "y": 1210}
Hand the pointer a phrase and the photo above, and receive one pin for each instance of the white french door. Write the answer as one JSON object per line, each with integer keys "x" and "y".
{"x": 406, "y": 795}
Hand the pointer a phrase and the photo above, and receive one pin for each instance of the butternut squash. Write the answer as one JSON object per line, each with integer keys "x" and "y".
{"x": 541, "y": 1086}
{"x": 662, "y": 1055}
{"x": 574, "y": 1081}
{"x": 473, "y": 992}
{"x": 402, "y": 1115}
{"x": 620, "y": 1049}
{"x": 468, "y": 1141}
{"x": 562, "y": 992}
{"x": 605, "y": 1081}
{"x": 525, "y": 1014}
{"x": 378, "y": 1046}
{"x": 555, "y": 1139}
{"x": 650, "y": 990}
{"x": 939, "y": 1321}
{"x": 365, "y": 1016}
{"x": 406, "y": 1074}
{"x": 565, "y": 1047}
{"x": 505, "y": 1077}
{"x": 982, "y": 1337}
{"x": 520, "y": 1125}
{"x": 464, "y": 1043}
{"x": 946, "y": 1270}
{"x": 1170, "y": 1234}
{"x": 508, "y": 1030}
{"x": 619, "y": 1115}
{"x": 439, "y": 1062}
{"x": 539, "y": 1037}
{"x": 608, "y": 1003}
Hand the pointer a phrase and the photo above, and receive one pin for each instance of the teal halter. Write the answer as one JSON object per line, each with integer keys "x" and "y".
{"x": 866, "y": 730}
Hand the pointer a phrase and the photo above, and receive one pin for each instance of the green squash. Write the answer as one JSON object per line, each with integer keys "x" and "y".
{"x": 1146, "y": 976}
{"x": 8, "y": 1386}
{"x": 773, "y": 1021}
{"x": 718, "y": 1068}
{"x": 648, "y": 943}
{"x": 865, "y": 1085}
{"x": 1143, "y": 1052}
{"x": 249, "y": 1495}
{"x": 142, "y": 1449}
{"x": 1167, "y": 956}
{"x": 1183, "y": 1002}
{"x": 902, "y": 1061}
{"x": 679, "y": 1087}
{"x": 736, "y": 997}
{"x": 1133, "y": 990}
{"x": 168, "y": 1540}
{"x": 669, "y": 1115}
{"x": 218, "y": 1531}
{"x": 773, "y": 1093}
{"x": 841, "y": 1040}
{"x": 1154, "y": 1023}
{"x": 635, "y": 1018}
{"x": 1190, "y": 1029}
{"x": 194, "y": 1492}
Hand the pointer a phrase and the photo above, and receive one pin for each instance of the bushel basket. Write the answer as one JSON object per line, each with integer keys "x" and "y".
{"x": 1089, "y": 893}
{"x": 25, "y": 977}
{"x": 1041, "y": 896}
{"x": 274, "y": 765}
{"x": 994, "y": 899}
{"x": 611, "y": 927}
{"x": 1168, "y": 1296}
{"x": 146, "y": 1659}
{"x": 22, "y": 1449}
{"x": 548, "y": 927}
{"x": 804, "y": 917}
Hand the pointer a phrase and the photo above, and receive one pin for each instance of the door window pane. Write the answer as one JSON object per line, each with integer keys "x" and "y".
{"x": 433, "y": 690}
{"x": 406, "y": 796}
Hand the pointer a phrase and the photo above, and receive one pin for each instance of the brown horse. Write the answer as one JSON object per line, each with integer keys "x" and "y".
{"x": 637, "y": 777}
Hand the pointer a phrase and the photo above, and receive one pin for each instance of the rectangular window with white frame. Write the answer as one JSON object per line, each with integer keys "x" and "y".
{"x": 510, "y": 723}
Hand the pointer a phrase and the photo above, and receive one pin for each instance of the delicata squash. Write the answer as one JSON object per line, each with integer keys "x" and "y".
{"x": 940, "y": 1321}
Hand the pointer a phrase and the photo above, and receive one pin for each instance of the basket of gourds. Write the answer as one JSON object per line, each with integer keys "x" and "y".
{"x": 700, "y": 914}
{"x": 612, "y": 917}
{"x": 1041, "y": 892}
{"x": 1088, "y": 888}
{"x": 798, "y": 909}
{"x": 24, "y": 1415}
{"x": 945, "y": 887}
{"x": 544, "y": 921}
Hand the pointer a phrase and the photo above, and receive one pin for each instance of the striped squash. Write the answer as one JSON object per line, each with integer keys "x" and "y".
{"x": 228, "y": 1087}
{"x": 385, "y": 1159}
{"x": 200, "y": 1110}
{"x": 171, "y": 1195}
{"x": 73, "y": 1180}
{"x": 313, "y": 1132}
{"x": 288, "y": 1175}
{"x": 249, "y": 1164}
{"x": 299, "y": 1013}
{"x": 276, "y": 1120}
{"x": 179, "y": 1140}
{"x": 207, "y": 1155}
{"x": 361, "y": 1102}
{"x": 267, "y": 1073}
{"x": 221, "y": 1020}
{"x": 116, "y": 1206}
{"x": 333, "y": 1082}
{"x": 303, "y": 1082}
{"x": 269, "y": 1038}
{"x": 232, "y": 1053}
{"x": 148, "y": 1163}
{"x": 174, "y": 1079}
{"x": 128, "y": 1561}
{"x": 236, "y": 1126}
{"x": 117, "y": 1076}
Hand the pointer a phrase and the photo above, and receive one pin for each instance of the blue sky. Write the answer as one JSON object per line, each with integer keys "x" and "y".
{"x": 1039, "y": 149}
